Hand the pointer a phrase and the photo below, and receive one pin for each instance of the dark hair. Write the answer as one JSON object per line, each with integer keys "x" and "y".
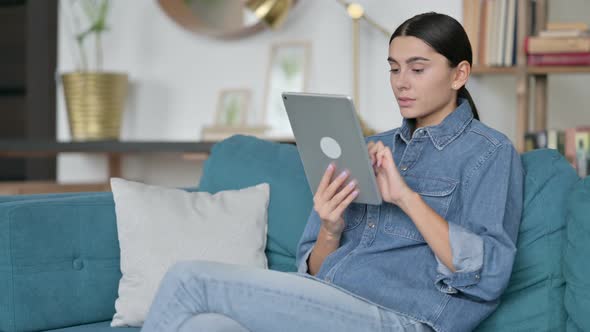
{"x": 446, "y": 36}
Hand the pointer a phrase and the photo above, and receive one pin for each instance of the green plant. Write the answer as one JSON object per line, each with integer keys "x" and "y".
{"x": 89, "y": 17}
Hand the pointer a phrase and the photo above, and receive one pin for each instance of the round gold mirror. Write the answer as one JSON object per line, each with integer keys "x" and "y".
{"x": 227, "y": 19}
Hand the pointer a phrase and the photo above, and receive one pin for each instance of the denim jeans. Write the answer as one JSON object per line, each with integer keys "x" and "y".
{"x": 208, "y": 296}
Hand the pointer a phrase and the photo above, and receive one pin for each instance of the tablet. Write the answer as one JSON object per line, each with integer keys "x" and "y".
{"x": 326, "y": 130}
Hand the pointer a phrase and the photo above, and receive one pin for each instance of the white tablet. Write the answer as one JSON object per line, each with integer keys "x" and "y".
{"x": 326, "y": 130}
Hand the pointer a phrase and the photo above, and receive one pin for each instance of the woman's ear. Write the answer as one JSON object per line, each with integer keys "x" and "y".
{"x": 460, "y": 75}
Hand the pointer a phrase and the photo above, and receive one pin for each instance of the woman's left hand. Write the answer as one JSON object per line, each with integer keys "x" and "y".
{"x": 391, "y": 184}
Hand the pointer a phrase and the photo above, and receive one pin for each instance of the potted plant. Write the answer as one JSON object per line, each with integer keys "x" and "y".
{"x": 95, "y": 98}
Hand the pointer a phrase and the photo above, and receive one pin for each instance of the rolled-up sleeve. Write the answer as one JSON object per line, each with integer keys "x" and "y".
{"x": 484, "y": 228}
{"x": 307, "y": 241}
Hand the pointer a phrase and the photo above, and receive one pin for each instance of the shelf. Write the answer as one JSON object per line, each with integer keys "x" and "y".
{"x": 480, "y": 70}
{"x": 558, "y": 69}
{"x": 15, "y": 148}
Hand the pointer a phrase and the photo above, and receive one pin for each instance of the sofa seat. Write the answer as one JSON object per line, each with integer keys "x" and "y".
{"x": 97, "y": 327}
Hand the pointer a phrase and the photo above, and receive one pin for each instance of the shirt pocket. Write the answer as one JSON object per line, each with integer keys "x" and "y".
{"x": 436, "y": 193}
{"x": 353, "y": 215}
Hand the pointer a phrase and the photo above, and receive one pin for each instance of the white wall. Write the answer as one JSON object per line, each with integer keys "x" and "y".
{"x": 176, "y": 77}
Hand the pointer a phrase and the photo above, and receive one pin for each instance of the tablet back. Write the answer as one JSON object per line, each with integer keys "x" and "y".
{"x": 326, "y": 130}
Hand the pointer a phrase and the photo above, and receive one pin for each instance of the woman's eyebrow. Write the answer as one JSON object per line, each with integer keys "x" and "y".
{"x": 410, "y": 60}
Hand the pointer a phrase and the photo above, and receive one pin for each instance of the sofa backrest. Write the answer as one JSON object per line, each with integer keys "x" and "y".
{"x": 533, "y": 300}
{"x": 576, "y": 263}
{"x": 59, "y": 261}
{"x": 243, "y": 161}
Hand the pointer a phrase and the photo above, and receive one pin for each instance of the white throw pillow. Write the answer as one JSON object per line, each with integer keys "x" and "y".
{"x": 159, "y": 226}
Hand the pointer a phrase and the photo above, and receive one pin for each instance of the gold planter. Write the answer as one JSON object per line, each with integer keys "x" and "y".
{"x": 95, "y": 102}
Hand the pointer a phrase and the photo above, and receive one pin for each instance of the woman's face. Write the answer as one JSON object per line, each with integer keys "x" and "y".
{"x": 422, "y": 81}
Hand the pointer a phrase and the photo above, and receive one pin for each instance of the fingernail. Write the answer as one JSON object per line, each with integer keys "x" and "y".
{"x": 352, "y": 184}
{"x": 343, "y": 174}
{"x": 355, "y": 193}
{"x": 331, "y": 166}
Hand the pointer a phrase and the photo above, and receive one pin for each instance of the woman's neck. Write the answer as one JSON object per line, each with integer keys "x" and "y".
{"x": 436, "y": 117}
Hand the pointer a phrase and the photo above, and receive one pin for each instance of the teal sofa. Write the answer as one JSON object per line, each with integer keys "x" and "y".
{"x": 59, "y": 253}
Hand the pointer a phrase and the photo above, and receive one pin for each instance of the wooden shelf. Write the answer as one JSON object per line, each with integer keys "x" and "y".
{"x": 27, "y": 148}
{"x": 558, "y": 69}
{"x": 481, "y": 70}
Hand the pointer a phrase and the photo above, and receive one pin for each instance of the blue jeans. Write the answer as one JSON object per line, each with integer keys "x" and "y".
{"x": 207, "y": 296}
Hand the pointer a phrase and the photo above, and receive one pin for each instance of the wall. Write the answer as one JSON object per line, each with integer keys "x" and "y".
{"x": 176, "y": 77}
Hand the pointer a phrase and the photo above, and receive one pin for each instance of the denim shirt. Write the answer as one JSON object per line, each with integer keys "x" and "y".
{"x": 472, "y": 176}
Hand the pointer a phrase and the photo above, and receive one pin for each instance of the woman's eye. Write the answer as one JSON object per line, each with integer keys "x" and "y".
{"x": 418, "y": 71}
{"x": 394, "y": 70}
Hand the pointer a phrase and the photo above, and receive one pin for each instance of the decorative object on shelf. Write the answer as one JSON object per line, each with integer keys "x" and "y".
{"x": 288, "y": 71}
{"x": 357, "y": 13}
{"x": 232, "y": 107}
{"x": 231, "y": 117}
{"x": 95, "y": 99}
{"x": 218, "y": 133}
{"x": 227, "y": 19}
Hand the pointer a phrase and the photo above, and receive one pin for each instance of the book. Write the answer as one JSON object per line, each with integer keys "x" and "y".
{"x": 576, "y": 139}
{"x": 563, "y": 33}
{"x": 582, "y": 153}
{"x": 545, "y": 139}
{"x": 559, "y": 59}
{"x": 567, "y": 26}
{"x": 539, "y": 45}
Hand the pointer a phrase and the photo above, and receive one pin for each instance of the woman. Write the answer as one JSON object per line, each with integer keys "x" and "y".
{"x": 436, "y": 255}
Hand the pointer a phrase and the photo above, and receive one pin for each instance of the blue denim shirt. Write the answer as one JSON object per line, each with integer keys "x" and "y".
{"x": 469, "y": 174}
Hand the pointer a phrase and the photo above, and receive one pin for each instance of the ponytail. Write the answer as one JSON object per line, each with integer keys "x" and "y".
{"x": 463, "y": 93}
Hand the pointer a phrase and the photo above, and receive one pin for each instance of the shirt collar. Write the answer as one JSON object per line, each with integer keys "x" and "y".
{"x": 445, "y": 132}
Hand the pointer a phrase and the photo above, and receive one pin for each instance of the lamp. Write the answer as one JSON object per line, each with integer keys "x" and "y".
{"x": 272, "y": 12}
{"x": 357, "y": 13}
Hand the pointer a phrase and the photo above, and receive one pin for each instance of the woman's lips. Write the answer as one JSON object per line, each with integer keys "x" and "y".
{"x": 405, "y": 102}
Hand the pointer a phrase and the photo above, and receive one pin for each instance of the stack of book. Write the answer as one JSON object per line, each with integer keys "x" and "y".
{"x": 561, "y": 44}
{"x": 573, "y": 143}
{"x": 491, "y": 28}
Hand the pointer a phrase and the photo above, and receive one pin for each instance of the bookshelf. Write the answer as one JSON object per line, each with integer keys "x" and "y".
{"x": 527, "y": 108}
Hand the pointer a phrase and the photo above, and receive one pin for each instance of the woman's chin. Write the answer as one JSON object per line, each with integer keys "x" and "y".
{"x": 409, "y": 112}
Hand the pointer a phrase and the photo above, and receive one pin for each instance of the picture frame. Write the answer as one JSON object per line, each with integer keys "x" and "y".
{"x": 233, "y": 107}
{"x": 288, "y": 70}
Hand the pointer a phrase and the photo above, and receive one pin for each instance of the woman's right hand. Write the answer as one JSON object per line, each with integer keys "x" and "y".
{"x": 332, "y": 198}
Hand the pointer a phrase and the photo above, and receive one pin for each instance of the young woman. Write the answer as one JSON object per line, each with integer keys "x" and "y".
{"x": 436, "y": 255}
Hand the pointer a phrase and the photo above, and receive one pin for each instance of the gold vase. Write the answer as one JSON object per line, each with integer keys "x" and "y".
{"x": 95, "y": 103}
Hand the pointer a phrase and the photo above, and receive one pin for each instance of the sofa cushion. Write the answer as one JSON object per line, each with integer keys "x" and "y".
{"x": 576, "y": 265}
{"x": 159, "y": 226}
{"x": 59, "y": 262}
{"x": 533, "y": 300}
{"x": 244, "y": 161}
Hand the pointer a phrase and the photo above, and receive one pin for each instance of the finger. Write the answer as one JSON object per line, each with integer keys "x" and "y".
{"x": 372, "y": 152}
{"x": 325, "y": 181}
{"x": 370, "y": 147}
{"x": 339, "y": 210}
{"x": 384, "y": 155}
{"x": 342, "y": 194}
{"x": 333, "y": 187}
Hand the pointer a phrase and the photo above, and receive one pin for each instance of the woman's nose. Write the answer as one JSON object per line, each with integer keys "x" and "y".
{"x": 401, "y": 81}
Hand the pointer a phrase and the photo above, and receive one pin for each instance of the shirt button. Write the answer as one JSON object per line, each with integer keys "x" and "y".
{"x": 404, "y": 168}
{"x": 371, "y": 225}
{"x": 477, "y": 276}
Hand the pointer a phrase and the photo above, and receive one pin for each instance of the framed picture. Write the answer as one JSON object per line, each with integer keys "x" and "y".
{"x": 288, "y": 71}
{"x": 232, "y": 108}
